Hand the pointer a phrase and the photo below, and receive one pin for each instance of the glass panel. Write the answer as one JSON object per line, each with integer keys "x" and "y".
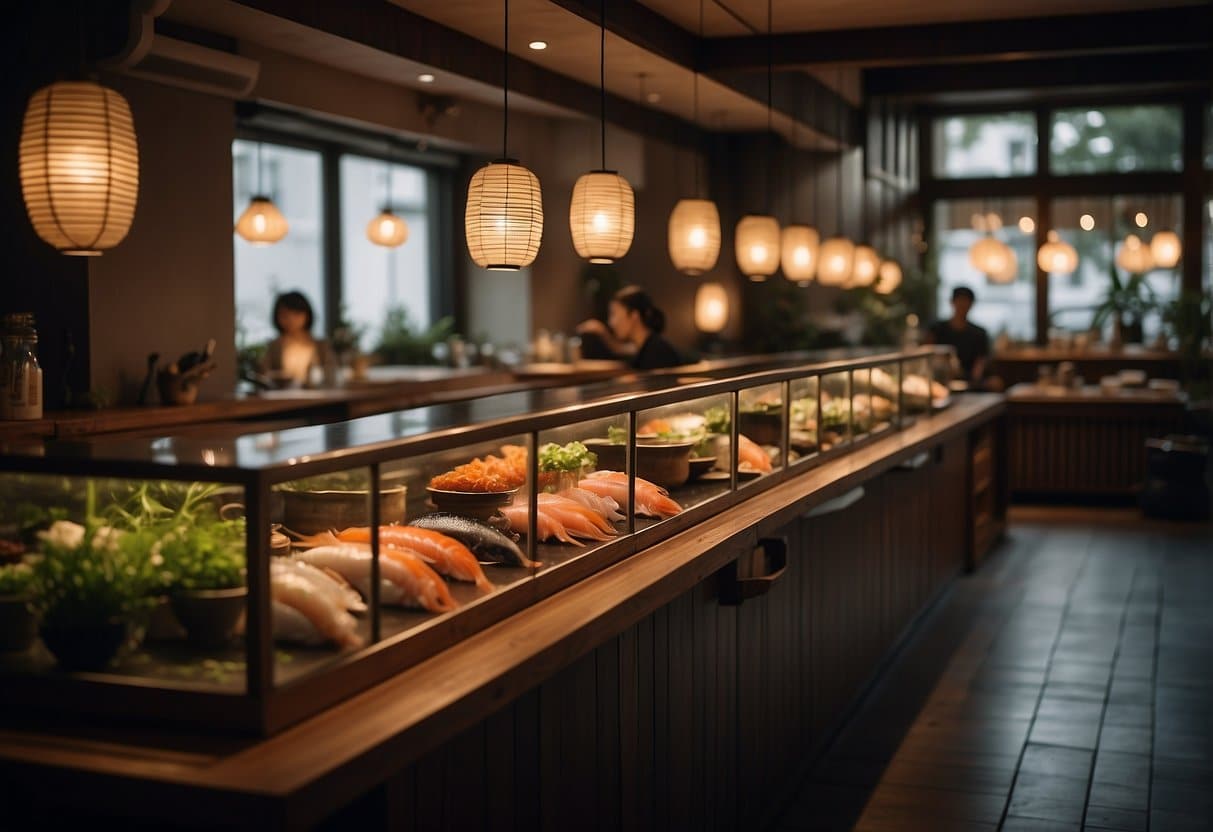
{"x": 1081, "y": 304}
{"x": 884, "y": 382}
{"x": 1116, "y": 139}
{"x": 802, "y": 431}
{"x": 143, "y": 581}
{"x": 292, "y": 179}
{"x": 760, "y": 428}
{"x": 917, "y": 387}
{"x": 835, "y": 419}
{"x": 987, "y": 144}
{"x": 378, "y": 281}
{"x": 862, "y": 417}
{"x": 582, "y": 472}
{"x": 683, "y": 449}
{"x": 1000, "y": 307}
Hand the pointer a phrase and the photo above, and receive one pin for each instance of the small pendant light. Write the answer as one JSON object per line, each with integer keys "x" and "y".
{"x": 837, "y": 254}
{"x": 1057, "y": 256}
{"x": 888, "y": 278}
{"x": 798, "y": 242}
{"x": 694, "y": 228}
{"x": 1134, "y": 256}
{"x": 503, "y": 218}
{"x": 388, "y": 229}
{"x": 864, "y": 267}
{"x": 262, "y": 224}
{"x": 1166, "y": 248}
{"x": 79, "y": 166}
{"x": 711, "y": 307}
{"x": 756, "y": 238}
{"x": 602, "y": 214}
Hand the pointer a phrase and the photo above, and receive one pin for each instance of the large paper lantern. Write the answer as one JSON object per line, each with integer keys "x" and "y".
{"x": 834, "y": 261}
{"x": 387, "y": 230}
{"x": 1134, "y": 256}
{"x": 988, "y": 255}
{"x": 1166, "y": 248}
{"x": 1057, "y": 256}
{"x": 602, "y": 216}
{"x": 888, "y": 278}
{"x": 503, "y": 220}
{"x": 864, "y": 265}
{"x": 262, "y": 224}
{"x": 798, "y": 255}
{"x": 756, "y": 244}
{"x": 1006, "y": 268}
{"x": 694, "y": 236}
{"x": 79, "y": 166}
{"x": 711, "y": 308}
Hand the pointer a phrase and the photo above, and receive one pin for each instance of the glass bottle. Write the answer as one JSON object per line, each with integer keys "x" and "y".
{"x": 21, "y": 376}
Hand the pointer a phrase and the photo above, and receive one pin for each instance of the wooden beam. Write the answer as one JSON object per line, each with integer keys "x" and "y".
{"x": 985, "y": 40}
{"x": 1175, "y": 67}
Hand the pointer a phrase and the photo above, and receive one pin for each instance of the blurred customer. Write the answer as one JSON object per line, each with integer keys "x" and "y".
{"x": 633, "y": 331}
{"x": 295, "y": 358}
{"x": 971, "y": 342}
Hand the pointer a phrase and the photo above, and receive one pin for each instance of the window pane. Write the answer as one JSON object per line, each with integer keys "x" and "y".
{"x": 1209, "y": 137}
{"x": 1116, "y": 139}
{"x": 1097, "y": 228}
{"x": 1002, "y": 307}
{"x": 377, "y": 279}
{"x": 292, "y": 179}
{"x": 999, "y": 144}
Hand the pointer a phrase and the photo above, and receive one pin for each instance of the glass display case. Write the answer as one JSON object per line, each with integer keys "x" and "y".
{"x": 244, "y": 584}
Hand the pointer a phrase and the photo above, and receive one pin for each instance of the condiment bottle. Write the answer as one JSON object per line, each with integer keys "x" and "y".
{"x": 21, "y": 375}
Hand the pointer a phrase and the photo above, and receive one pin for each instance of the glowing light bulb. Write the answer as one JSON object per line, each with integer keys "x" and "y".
{"x": 801, "y": 256}
{"x": 1087, "y": 222}
{"x": 758, "y": 254}
{"x": 1027, "y": 225}
{"x": 698, "y": 237}
{"x": 1141, "y": 219}
{"x": 259, "y": 222}
{"x": 601, "y": 222}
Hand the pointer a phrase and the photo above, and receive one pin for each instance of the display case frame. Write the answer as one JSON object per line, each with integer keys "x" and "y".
{"x": 265, "y": 708}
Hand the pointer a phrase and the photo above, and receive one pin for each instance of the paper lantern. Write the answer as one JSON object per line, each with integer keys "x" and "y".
{"x": 694, "y": 236}
{"x": 1007, "y": 269}
{"x": 1134, "y": 256}
{"x": 834, "y": 262}
{"x": 1166, "y": 248}
{"x": 602, "y": 216}
{"x": 987, "y": 255}
{"x": 889, "y": 277}
{"x": 503, "y": 220}
{"x": 1056, "y": 256}
{"x": 387, "y": 230}
{"x": 756, "y": 244}
{"x": 79, "y": 166}
{"x": 711, "y": 307}
{"x": 262, "y": 224}
{"x": 864, "y": 265}
{"x": 798, "y": 255}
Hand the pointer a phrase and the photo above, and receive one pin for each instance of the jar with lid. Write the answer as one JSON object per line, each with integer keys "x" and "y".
{"x": 20, "y": 374}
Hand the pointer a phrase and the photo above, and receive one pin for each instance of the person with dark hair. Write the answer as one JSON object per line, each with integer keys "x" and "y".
{"x": 971, "y": 342}
{"x": 295, "y": 358}
{"x": 634, "y": 326}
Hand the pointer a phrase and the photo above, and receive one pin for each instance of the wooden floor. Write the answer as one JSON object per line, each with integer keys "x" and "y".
{"x": 1067, "y": 685}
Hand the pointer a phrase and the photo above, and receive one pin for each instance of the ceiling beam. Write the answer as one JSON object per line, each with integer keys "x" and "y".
{"x": 971, "y": 41}
{"x": 1173, "y": 68}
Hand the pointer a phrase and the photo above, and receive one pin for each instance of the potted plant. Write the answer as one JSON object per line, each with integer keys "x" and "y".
{"x": 1126, "y": 303}
{"x": 91, "y": 587}
{"x": 204, "y": 565}
{"x": 18, "y": 624}
{"x": 1190, "y": 319}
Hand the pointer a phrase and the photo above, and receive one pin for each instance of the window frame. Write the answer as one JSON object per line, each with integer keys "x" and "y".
{"x": 1192, "y": 182}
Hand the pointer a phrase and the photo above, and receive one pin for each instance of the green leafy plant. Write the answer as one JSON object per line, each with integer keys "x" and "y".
{"x": 16, "y": 579}
{"x": 617, "y": 435}
{"x": 1190, "y": 319}
{"x": 401, "y": 342}
{"x": 835, "y": 414}
{"x": 571, "y": 457}
{"x": 206, "y": 556}
{"x": 1126, "y": 301}
{"x": 345, "y": 337}
{"x": 716, "y": 419}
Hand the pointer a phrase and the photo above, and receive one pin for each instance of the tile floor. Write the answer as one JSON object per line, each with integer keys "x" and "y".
{"x": 1067, "y": 685}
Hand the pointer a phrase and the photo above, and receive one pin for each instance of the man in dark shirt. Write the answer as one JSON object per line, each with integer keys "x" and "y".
{"x": 971, "y": 342}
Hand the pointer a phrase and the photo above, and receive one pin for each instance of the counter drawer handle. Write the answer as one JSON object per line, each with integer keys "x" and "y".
{"x": 915, "y": 462}
{"x": 735, "y": 588}
{"x": 837, "y": 504}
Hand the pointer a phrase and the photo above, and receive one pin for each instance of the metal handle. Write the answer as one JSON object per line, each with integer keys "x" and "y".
{"x": 735, "y": 587}
{"x": 915, "y": 462}
{"x": 837, "y": 504}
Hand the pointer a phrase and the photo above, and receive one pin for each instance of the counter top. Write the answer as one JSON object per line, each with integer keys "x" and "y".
{"x": 1130, "y": 352}
{"x": 1093, "y": 394}
{"x": 301, "y": 775}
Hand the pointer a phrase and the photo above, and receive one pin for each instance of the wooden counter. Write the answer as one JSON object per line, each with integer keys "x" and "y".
{"x": 1084, "y": 443}
{"x": 1021, "y": 365}
{"x": 634, "y": 697}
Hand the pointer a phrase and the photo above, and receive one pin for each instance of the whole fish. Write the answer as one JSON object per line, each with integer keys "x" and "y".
{"x": 485, "y": 541}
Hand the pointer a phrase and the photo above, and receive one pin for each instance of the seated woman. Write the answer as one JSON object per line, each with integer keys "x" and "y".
{"x": 634, "y": 332}
{"x": 295, "y": 358}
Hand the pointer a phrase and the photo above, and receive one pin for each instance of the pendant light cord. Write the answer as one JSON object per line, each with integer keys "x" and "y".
{"x": 841, "y": 149}
{"x": 770, "y": 132}
{"x": 602, "y": 78}
{"x": 505, "y": 85}
{"x": 260, "y": 188}
{"x": 695, "y": 106}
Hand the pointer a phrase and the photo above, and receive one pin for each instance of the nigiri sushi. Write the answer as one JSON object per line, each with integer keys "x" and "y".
{"x": 303, "y": 613}
{"x": 480, "y": 537}
{"x": 405, "y": 580}
{"x": 326, "y": 581}
{"x": 750, "y": 453}
{"x": 651, "y": 500}
{"x": 605, "y": 506}
{"x": 547, "y": 527}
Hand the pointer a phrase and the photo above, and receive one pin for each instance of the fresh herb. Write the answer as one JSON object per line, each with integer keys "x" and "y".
{"x": 355, "y": 480}
{"x": 760, "y": 406}
{"x": 571, "y": 457}
{"x": 16, "y": 578}
{"x": 803, "y": 410}
{"x": 835, "y": 413}
{"x": 203, "y": 556}
{"x": 716, "y": 419}
{"x": 617, "y": 435}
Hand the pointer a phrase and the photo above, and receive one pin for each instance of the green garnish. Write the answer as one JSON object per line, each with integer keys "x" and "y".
{"x": 16, "y": 578}
{"x": 571, "y": 457}
{"x": 716, "y": 419}
{"x": 617, "y": 435}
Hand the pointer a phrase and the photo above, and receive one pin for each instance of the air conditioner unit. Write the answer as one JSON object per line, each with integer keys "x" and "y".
{"x": 166, "y": 60}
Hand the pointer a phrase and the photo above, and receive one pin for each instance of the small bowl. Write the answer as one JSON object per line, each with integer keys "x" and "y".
{"x": 667, "y": 464}
{"x": 699, "y": 466}
{"x": 479, "y": 504}
{"x": 764, "y": 427}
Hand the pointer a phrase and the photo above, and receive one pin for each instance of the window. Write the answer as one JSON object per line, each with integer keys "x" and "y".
{"x": 1001, "y": 307}
{"x": 1116, "y": 139}
{"x": 1097, "y": 228}
{"x": 376, "y": 279}
{"x": 1000, "y": 144}
{"x": 292, "y": 178}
